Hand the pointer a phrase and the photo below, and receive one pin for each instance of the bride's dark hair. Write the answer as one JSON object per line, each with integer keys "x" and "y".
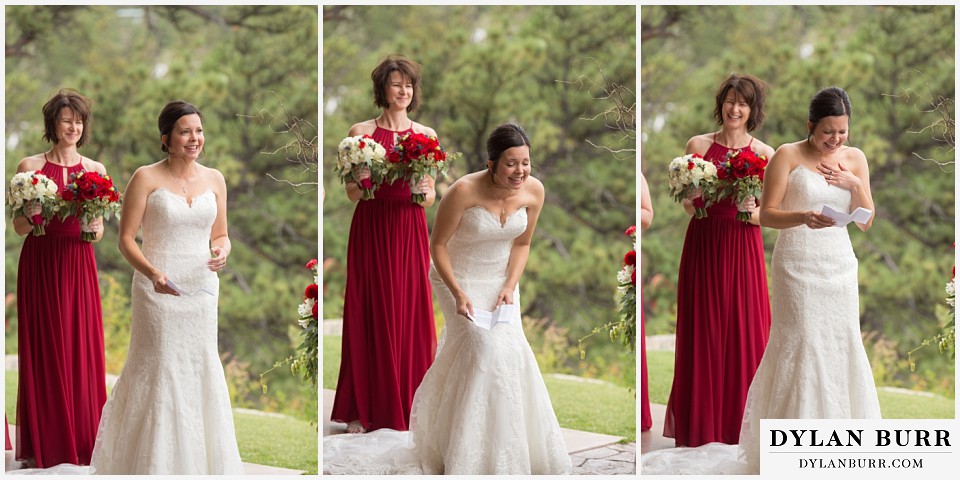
{"x": 505, "y": 136}
{"x": 829, "y": 102}
{"x": 169, "y": 116}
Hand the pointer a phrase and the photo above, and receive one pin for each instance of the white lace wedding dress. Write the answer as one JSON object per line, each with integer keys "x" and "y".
{"x": 482, "y": 407}
{"x": 814, "y": 365}
{"x": 169, "y": 412}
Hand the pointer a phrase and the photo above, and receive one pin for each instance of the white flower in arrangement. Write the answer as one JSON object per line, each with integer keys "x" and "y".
{"x": 624, "y": 275}
{"x": 951, "y": 292}
{"x": 306, "y": 311}
{"x": 358, "y": 150}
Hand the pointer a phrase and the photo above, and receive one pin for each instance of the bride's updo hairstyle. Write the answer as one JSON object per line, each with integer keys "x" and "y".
{"x": 505, "y": 136}
{"x": 751, "y": 89}
{"x": 169, "y": 116}
{"x": 829, "y": 102}
{"x": 381, "y": 80}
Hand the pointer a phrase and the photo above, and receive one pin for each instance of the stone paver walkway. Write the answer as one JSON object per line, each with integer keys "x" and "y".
{"x": 590, "y": 453}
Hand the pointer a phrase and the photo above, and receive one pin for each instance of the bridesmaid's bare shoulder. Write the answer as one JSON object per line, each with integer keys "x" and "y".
{"x": 762, "y": 148}
{"x": 31, "y": 163}
{"x": 91, "y": 165}
{"x": 699, "y": 143}
{"x": 363, "y": 128}
{"x": 419, "y": 128}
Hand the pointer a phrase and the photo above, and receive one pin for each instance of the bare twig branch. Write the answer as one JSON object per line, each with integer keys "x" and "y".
{"x": 302, "y": 150}
{"x": 943, "y": 129}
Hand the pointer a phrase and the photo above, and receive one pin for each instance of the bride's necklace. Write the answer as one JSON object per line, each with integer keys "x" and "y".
{"x": 183, "y": 181}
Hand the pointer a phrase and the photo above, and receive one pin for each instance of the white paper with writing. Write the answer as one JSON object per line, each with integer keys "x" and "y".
{"x": 505, "y": 313}
{"x": 860, "y": 215}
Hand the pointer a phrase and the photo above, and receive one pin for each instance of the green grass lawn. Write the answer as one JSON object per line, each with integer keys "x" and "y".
{"x": 893, "y": 404}
{"x": 600, "y": 408}
{"x": 265, "y": 440}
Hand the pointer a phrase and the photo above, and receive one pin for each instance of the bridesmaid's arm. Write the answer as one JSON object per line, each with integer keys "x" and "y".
{"x": 521, "y": 245}
{"x": 131, "y": 215}
{"x": 646, "y": 205}
{"x": 220, "y": 245}
{"x": 444, "y": 225}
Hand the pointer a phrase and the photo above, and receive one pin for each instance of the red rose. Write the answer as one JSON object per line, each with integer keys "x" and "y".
{"x": 630, "y": 258}
{"x": 362, "y": 144}
{"x": 631, "y": 230}
{"x": 311, "y": 291}
{"x": 633, "y": 278}
{"x": 312, "y": 263}
{"x": 316, "y": 310}
{"x": 689, "y": 165}
{"x": 36, "y": 180}
{"x": 366, "y": 183}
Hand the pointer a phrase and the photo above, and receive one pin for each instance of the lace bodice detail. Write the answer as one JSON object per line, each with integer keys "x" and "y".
{"x": 176, "y": 234}
{"x": 481, "y": 245}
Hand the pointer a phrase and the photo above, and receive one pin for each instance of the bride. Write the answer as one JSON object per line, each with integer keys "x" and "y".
{"x": 813, "y": 295}
{"x": 170, "y": 410}
{"x": 482, "y": 407}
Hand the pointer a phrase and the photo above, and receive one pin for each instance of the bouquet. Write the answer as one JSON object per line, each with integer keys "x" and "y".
{"x": 742, "y": 176}
{"x": 90, "y": 195}
{"x": 690, "y": 172}
{"x": 33, "y": 187}
{"x": 414, "y": 156}
{"x": 358, "y": 152}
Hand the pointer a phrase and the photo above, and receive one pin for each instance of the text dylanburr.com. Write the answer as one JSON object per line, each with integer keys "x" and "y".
{"x": 859, "y": 448}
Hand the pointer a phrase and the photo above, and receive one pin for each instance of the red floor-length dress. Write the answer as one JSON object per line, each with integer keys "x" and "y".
{"x": 389, "y": 336}
{"x": 60, "y": 325}
{"x": 646, "y": 420}
{"x": 723, "y": 321}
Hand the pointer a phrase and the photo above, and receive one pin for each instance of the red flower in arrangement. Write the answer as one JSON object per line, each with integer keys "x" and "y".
{"x": 631, "y": 230}
{"x": 630, "y": 258}
{"x": 90, "y": 195}
{"x": 316, "y": 311}
{"x": 633, "y": 278}
{"x": 311, "y": 291}
{"x": 366, "y": 183}
{"x": 36, "y": 180}
{"x": 312, "y": 263}
{"x": 690, "y": 165}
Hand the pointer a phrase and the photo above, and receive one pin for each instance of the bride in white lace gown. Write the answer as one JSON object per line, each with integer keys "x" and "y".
{"x": 482, "y": 407}
{"x": 170, "y": 410}
{"x": 815, "y": 365}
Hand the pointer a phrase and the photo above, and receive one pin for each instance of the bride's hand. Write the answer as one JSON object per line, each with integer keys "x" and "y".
{"x": 816, "y": 220}
{"x": 464, "y": 305}
{"x": 844, "y": 178}
{"x": 505, "y": 296}
{"x": 160, "y": 285}
{"x": 219, "y": 259}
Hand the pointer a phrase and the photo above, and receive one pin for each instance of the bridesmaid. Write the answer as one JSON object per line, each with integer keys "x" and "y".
{"x": 60, "y": 341}
{"x": 389, "y": 336}
{"x": 723, "y": 310}
{"x": 646, "y": 217}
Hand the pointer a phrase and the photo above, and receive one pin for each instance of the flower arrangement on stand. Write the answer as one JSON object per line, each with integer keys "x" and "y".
{"x": 946, "y": 340}
{"x": 623, "y": 330}
{"x": 306, "y": 363}
{"x": 28, "y": 187}
{"x": 90, "y": 195}
{"x": 414, "y": 156}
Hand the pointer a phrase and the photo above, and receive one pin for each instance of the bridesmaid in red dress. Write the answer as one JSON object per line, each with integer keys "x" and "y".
{"x": 60, "y": 345}
{"x": 723, "y": 306}
{"x": 646, "y": 217}
{"x": 389, "y": 336}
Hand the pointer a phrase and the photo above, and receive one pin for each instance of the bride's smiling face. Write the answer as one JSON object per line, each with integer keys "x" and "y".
{"x": 513, "y": 168}
{"x": 830, "y": 133}
{"x": 186, "y": 139}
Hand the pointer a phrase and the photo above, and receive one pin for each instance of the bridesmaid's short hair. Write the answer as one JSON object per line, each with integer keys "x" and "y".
{"x": 829, "y": 102}
{"x": 381, "y": 79}
{"x": 169, "y": 116}
{"x": 51, "y": 114}
{"x": 505, "y": 136}
{"x": 751, "y": 89}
